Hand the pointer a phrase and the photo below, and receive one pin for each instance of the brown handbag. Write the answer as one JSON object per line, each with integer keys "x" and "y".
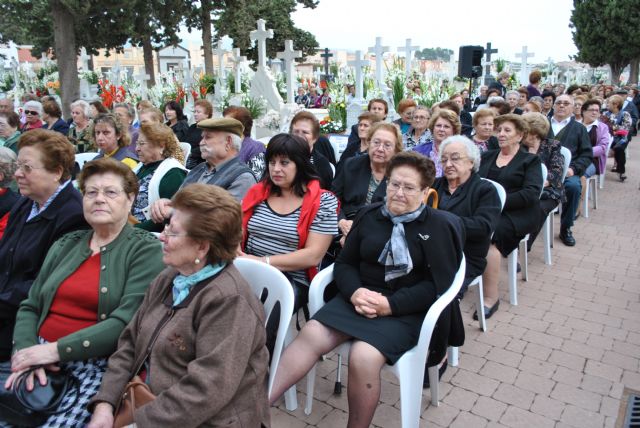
{"x": 136, "y": 394}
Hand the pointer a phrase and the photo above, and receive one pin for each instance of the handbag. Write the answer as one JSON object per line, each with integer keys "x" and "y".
{"x": 32, "y": 408}
{"x": 136, "y": 394}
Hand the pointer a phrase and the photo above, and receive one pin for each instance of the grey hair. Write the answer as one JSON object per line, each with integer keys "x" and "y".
{"x": 473, "y": 152}
{"x": 131, "y": 111}
{"x": 86, "y": 108}
{"x": 236, "y": 141}
{"x": 494, "y": 98}
{"x": 512, "y": 92}
{"x": 34, "y": 105}
{"x": 8, "y": 160}
{"x": 421, "y": 107}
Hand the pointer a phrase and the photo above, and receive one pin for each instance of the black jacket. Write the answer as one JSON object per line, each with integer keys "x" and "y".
{"x": 351, "y": 185}
{"x": 323, "y": 168}
{"x": 477, "y": 204}
{"x": 324, "y": 147}
{"x": 180, "y": 128}
{"x": 574, "y": 137}
{"x": 193, "y": 136}
{"x": 522, "y": 181}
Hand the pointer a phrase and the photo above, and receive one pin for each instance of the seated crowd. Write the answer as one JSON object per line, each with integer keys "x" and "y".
{"x": 87, "y": 288}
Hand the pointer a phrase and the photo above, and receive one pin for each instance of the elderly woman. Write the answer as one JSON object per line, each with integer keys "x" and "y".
{"x": 203, "y": 109}
{"x": 620, "y": 124}
{"x": 444, "y": 123}
{"x": 79, "y": 130}
{"x": 386, "y": 286}
{"x": 8, "y": 197}
{"x": 520, "y": 174}
{"x": 406, "y": 107}
{"x": 90, "y": 285}
{"x": 598, "y": 134}
{"x": 52, "y": 116}
{"x": 176, "y": 119}
{"x": 9, "y": 134}
{"x": 49, "y": 208}
{"x": 32, "y": 113}
{"x": 304, "y": 124}
{"x": 483, "y": 130}
{"x": 159, "y": 173}
{"x": 462, "y": 192}
{"x": 198, "y": 336}
{"x": 365, "y": 121}
{"x": 111, "y": 137}
{"x": 418, "y": 133}
{"x": 537, "y": 143}
{"x": 251, "y": 151}
{"x": 362, "y": 180}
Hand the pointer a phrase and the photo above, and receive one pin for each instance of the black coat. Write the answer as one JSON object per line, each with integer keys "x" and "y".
{"x": 574, "y": 136}
{"x": 522, "y": 181}
{"x": 467, "y": 123}
{"x": 352, "y": 183}
{"x": 323, "y": 168}
{"x": 324, "y": 147}
{"x": 477, "y": 204}
{"x": 633, "y": 112}
{"x": 180, "y": 128}
{"x": 193, "y": 136}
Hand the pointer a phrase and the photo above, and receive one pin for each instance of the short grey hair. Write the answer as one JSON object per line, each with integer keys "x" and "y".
{"x": 34, "y": 105}
{"x": 473, "y": 152}
{"x": 131, "y": 111}
{"x": 8, "y": 160}
{"x": 86, "y": 108}
{"x": 236, "y": 141}
{"x": 512, "y": 92}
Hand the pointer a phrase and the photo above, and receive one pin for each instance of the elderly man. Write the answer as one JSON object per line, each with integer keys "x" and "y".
{"x": 572, "y": 135}
{"x": 6, "y": 105}
{"x": 221, "y": 140}
{"x": 127, "y": 114}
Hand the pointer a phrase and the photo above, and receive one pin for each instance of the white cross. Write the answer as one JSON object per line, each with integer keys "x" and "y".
{"x": 237, "y": 62}
{"x": 85, "y": 59}
{"x": 260, "y": 36}
{"x": 524, "y": 55}
{"x": 186, "y": 74}
{"x": 408, "y": 49}
{"x": 143, "y": 77}
{"x": 378, "y": 50}
{"x": 220, "y": 51}
{"x": 115, "y": 73}
{"x": 358, "y": 63}
{"x": 289, "y": 56}
{"x": 44, "y": 58}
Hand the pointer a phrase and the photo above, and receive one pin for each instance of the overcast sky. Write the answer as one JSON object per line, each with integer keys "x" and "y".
{"x": 542, "y": 25}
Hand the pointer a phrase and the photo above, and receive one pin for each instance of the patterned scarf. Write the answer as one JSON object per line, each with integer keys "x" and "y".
{"x": 182, "y": 285}
{"x": 395, "y": 255}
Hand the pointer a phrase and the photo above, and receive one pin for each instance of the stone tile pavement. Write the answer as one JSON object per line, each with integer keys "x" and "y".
{"x": 561, "y": 358}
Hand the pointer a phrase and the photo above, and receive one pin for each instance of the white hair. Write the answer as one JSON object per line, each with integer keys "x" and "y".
{"x": 236, "y": 141}
{"x": 473, "y": 152}
{"x": 86, "y": 108}
{"x": 512, "y": 92}
{"x": 34, "y": 105}
{"x": 7, "y": 166}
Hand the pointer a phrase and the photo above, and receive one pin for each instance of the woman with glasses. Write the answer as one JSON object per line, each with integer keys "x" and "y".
{"x": 90, "y": 286}
{"x": 444, "y": 123}
{"x": 386, "y": 284}
{"x": 32, "y": 116}
{"x": 49, "y": 207}
{"x": 418, "y": 133}
{"x": 598, "y": 134}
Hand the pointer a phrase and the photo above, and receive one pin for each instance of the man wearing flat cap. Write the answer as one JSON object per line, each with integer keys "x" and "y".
{"x": 219, "y": 147}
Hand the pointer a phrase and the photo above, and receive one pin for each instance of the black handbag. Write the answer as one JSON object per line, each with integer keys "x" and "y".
{"x": 32, "y": 408}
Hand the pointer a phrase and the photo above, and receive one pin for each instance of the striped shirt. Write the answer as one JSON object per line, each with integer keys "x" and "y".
{"x": 270, "y": 233}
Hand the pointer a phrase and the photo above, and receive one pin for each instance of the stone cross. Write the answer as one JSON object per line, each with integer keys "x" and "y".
{"x": 487, "y": 52}
{"x": 550, "y": 64}
{"x": 260, "y": 36}
{"x": 85, "y": 59}
{"x": 358, "y": 64}
{"x": 326, "y": 55}
{"x": 408, "y": 50}
{"x": 289, "y": 56}
{"x": 238, "y": 60}
{"x": 219, "y": 52}
{"x": 378, "y": 50}
{"x": 44, "y": 58}
{"x": 115, "y": 73}
{"x": 143, "y": 78}
{"x": 524, "y": 55}
{"x": 186, "y": 74}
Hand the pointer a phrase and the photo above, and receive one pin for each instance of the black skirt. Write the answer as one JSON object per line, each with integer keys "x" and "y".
{"x": 505, "y": 237}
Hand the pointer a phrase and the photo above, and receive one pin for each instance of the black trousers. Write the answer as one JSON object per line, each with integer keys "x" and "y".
{"x": 620, "y": 155}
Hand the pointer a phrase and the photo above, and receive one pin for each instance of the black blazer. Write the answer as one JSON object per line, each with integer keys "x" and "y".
{"x": 477, "y": 204}
{"x": 351, "y": 185}
{"x": 323, "y": 169}
{"x": 574, "y": 137}
{"x": 522, "y": 181}
{"x": 324, "y": 147}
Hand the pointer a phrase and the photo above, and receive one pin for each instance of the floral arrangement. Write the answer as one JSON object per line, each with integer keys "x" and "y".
{"x": 206, "y": 84}
{"x": 110, "y": 93}
{"x": 7, "y": 83}
{"x": 271, "y": 120}
{"x": 90, "y": 76}
{"x": 54, "y": 86}
{"x": 256, "y": 106}
{"x": 328, "y": 126}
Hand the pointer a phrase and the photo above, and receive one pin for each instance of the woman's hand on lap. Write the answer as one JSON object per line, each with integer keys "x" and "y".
{"x": 34, "y": 356}
{"x": 102, "y": 416}
{"x": 39, "y": 373}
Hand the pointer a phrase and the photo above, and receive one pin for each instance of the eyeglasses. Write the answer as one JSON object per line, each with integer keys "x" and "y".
{"x": 395, "y": 187}
{"x": 31, "y": 112}
{"x": 383, "y": 146}
{"x": 26, "y": 168}
{"x": 454, "y": 158}
{"x": 420, "y": 118}
{"x": 563, "y": 103}
{"x": 109, "y": 193}
{"x": 593, "y": 110}
{"x": 166, "y": 232}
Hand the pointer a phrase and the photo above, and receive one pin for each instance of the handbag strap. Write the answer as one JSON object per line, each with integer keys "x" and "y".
{"x": 71, "y": 383}
{"x": 152, "y": 342}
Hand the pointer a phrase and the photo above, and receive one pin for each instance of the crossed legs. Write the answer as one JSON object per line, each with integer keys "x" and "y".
{"x": 491, "y": 276}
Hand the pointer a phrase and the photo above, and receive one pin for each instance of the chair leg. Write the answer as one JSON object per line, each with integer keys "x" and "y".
{"x": 434, "y": 385}
{"x": 311, "y": 383}
{"x": 337, "y": 388}
{"x": 585, "y": 203}
{"x": 547, "y": 238}
{"x": 525, "y": 258}
{"x": 601, "y": 180}
{"x": 411, "y": 395}
{"x": 512, "y": 268}
{"x": 482, "y": 322}
{"x": 551, "y": 235}
{"x": 453, "y": 356}
{"x": 595, "y": 194}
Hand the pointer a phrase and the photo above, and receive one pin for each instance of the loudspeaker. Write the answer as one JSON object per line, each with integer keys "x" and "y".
{"x": 470, "y": 61}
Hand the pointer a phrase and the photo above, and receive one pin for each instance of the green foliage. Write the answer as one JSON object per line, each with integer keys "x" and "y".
{"x": 244, "y": 85}
{"x": 338, "y": 114}
{"x": 50, "y": 68}
{"x": 209, "y": 82}
{"x": 256, "y": 106}
{"x": 434, "y": 54}
{"x": 398, "y": 90}
{"x": 500, "y": 65}
{"x": 7, "y": 83}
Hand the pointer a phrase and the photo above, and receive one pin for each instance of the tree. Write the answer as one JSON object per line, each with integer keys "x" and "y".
{"x": 434, "y": 54}
{"x": 604, "y": 31}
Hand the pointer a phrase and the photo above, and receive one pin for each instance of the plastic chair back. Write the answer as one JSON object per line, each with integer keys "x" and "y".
{"x": 261, "y": 276}
{"x": 186, "y": 151}
{"x": 502, "y": 194}
{"x": 545, "y": 172}
{"x": 82, "y": 158}
{"x": 566, "y": 154}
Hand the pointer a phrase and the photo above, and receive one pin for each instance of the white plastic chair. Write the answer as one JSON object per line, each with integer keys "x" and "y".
{"x": 82, "y": 158}
{"x": 261, "y": 276}
{"x": 186, "y": 151}
{"x": 409, "y": 369}
{"x": 547, "y": 228}
{"x": 591, "y": 192}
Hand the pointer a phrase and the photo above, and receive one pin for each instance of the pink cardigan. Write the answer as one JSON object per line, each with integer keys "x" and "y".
{"x": 600, "y": 149}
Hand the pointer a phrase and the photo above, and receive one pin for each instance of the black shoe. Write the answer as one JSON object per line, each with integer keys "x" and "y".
{"x": 441, "y": 370}
{"x": 567, "y": 237}
{"x": 488, "y": 311}
{"x": 622, "y": 178}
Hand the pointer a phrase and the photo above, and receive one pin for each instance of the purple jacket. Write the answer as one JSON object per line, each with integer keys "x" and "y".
{"x": 600, "y": 148}
{"x": 533, "y": 91}
{"x": 250, "y": 148}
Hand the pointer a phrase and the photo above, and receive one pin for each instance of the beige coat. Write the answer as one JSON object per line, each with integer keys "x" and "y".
{"x": 208, "y": 367}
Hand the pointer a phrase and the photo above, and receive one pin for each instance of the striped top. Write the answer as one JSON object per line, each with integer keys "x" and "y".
{"x": 270, "y": 233}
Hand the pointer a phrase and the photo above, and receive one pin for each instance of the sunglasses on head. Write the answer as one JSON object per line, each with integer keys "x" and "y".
{"x": 32, "y": 112}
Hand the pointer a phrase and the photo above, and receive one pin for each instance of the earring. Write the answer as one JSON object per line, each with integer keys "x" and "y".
{"x": 197, "y": 261}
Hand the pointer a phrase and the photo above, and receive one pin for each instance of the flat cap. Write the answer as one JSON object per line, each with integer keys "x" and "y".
{"x": 622, "y": 91}
{"x": 225, "y": 124}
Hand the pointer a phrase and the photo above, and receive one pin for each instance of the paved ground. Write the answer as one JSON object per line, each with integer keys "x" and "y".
{"x": 561, "y": 358}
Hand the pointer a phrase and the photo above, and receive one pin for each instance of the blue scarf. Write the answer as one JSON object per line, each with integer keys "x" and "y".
{"x": 182, "y": 285}
{"x": 395, "y": 255}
